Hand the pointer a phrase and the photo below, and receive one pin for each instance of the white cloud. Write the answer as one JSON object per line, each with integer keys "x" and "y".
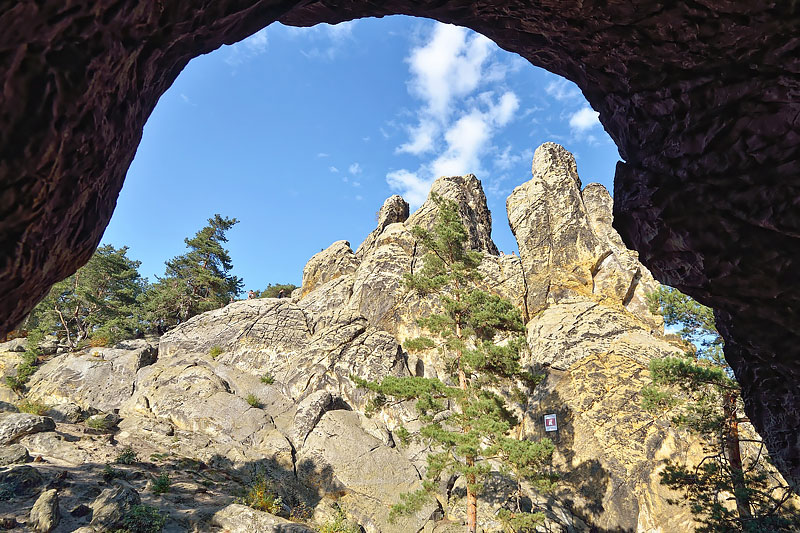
{"x": 333, "y": 169}
{"x": 452, "y": 120}
{"x": 505, "y": 159}
{"x": 583, "y": 120}
{"x": 247, "y": 49}
{"x": 356, "y": 184}
{"x": 448, "y": 66}
{"x": 187, "y": 100}
{"x": 422, "y": 138}
{"x": 563, "y": 90}
{"x": 414, "y": 189}
{"x": 323, "y": 154}
{"x": 466, "y": 140}
{"x": 354, "y": 169}
{"x": 359, "y": 197}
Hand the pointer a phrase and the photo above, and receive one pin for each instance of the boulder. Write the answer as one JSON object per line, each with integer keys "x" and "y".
{"x": 14, "y": 345}
{"x": 20, "y": 481}
{"x": 14, "y": 426}
{"x": 236, "y": 518}
{"x": 13, "y": 454}
{"x": 97, "y": 378}
{"x": 45, "y": 514}
{"x": 112, "y": 504}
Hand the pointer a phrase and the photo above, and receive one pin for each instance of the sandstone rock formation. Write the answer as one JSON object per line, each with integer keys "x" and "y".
{"x": 264, "y": 387}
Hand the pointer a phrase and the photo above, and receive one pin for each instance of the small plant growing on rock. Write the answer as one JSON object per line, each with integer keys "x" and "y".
{"x": 99, "y": 340}
{"x": 340, "y": 524}
{"x": 110, "y": 473}
{"x": 32, "y": 407}
{"x": 126, "y": 457}
{"x": 98, "y": 423}
{"x": 215, "y": 351}
{"x": 261, "y": 496}
{"x": 253, "y": 400}
{"x": 142, "y": 519}
{"x": 267, "y": 379}
{"x": 161, "y": 484}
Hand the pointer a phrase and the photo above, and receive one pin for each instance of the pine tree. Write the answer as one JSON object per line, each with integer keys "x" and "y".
{"x": 196, "y": 281}
{"x": 728, "y": 490}
{"x": 466, "y": 420}
{"x": 101, "y": 299}
{"x": 272, "y": 291}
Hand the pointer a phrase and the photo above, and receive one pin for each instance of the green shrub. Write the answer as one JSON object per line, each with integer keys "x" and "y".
{"x": 98, "y": 423}
{"x": 110, "y": 473}
{"x": 340, "y": 524}
{"x": 267, "y": 379}
{"x": 161, "y": 484}
{"x": 126, "y": 457}
{"x": 261, "y": 496}
{"x": 25, "y": 370}
{"x": 32, "y": 407}
{"x": 215, "y": 351}
{"x": 143, "y": 519}
{"x": 253, "y": 400}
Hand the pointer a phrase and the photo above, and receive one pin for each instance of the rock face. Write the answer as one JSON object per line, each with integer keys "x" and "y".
{"x": 263, "y": 388}
{"x": 101, "y": 378}
{"x": 566, "y": 242}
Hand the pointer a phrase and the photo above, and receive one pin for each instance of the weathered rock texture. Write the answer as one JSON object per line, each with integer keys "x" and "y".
{"x": 264, "y": 387}
{"x": 701, "y": 99}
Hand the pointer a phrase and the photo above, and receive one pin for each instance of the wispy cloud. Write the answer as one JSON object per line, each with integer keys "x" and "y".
{"x": 325, "y": 41}
{"x": 187, "y": 100}
{"x": 333, "y": 169}
{"x": 453, "y": 119}
{"x": 563, "y": 90}
{"x": 247, "y": 49}
{"x": 323, "y": 154}
{"x": 354, "y": 169}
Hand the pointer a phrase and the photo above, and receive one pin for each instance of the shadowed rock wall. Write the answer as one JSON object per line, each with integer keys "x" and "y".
{"x": 700, "y": 97}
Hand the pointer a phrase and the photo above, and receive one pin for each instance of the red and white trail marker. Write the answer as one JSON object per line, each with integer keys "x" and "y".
{"x": 550, "y": 423}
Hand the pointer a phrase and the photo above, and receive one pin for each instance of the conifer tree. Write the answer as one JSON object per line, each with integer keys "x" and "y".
{"x": 101, "y": 299}
{"x": 196, "y": 281}
{"x": 729, "y": 490}
{"x": 466, "y": 420}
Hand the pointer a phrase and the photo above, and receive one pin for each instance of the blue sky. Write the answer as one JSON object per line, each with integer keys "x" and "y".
{"x": 301, "y": 133}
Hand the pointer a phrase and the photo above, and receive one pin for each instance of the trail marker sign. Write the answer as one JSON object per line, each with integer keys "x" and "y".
{"x": 550, "y": 423}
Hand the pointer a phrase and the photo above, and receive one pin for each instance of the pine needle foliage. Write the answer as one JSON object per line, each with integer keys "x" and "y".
{"x": 467, "y": 422}
{"x": 197, "y": 281}
{"x": 734, "y": 488}
{"x": 101, "y": 299}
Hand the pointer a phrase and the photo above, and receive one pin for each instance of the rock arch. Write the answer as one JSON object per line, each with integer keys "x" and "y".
{"x": 702, "y": 98}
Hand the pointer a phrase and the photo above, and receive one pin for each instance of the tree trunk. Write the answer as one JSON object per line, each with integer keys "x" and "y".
{"x": 734, "y": 453}
{"x": 472, "y": 501}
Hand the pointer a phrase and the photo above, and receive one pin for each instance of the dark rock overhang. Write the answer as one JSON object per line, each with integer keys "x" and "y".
{"x": 701, "y": 98}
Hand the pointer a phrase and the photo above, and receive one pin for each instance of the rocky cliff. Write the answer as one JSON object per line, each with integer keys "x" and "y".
{"x": 265, "y": 385}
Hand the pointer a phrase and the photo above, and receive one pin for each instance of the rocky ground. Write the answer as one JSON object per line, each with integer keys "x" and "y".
{"x": 263, "y": 389}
